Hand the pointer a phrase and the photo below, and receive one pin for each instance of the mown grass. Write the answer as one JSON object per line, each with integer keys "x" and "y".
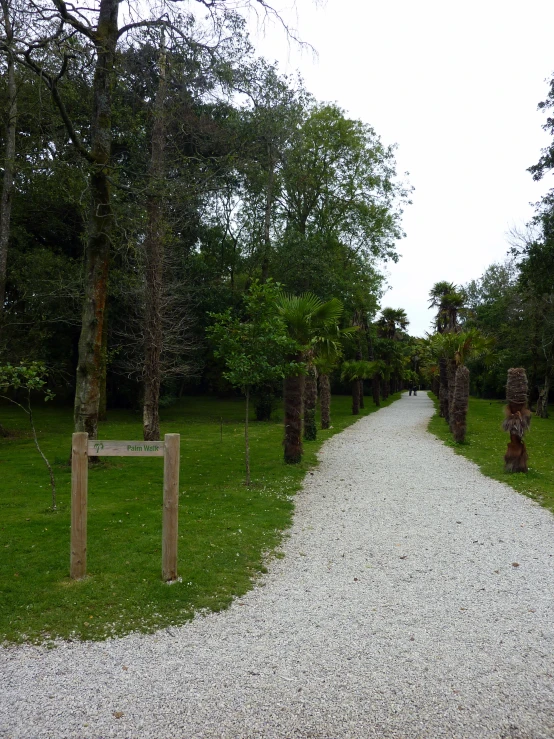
{"x": 227, "y": 531}
{"x": 486, "y": 444}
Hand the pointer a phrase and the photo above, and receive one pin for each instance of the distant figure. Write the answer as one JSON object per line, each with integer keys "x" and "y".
{"x": 410, "y": 390}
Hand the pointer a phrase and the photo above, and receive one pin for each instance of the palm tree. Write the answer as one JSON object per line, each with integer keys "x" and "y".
{"x": 390, "y": 327}
{"x": 328, "y": 355}
{"x": 438, "y": 299}
{"x": 453, "y": 350}
{"x": 517, "y": 420}
{"x": 309, "y": 322}
{"x": 392, "y": 321}
{"x": 353, "y": 371}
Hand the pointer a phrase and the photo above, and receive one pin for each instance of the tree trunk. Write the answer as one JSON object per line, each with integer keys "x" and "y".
{"x": 246, "y": 439}
{"x": 443, "y": 388}
{"x": 517, "y": 420}
{"x": 9, "y": 163}
{"x": 451, "y": 369}
{"x": 87, "y": 392}
{"x": 460, "y": 404}
{"x": 386, "y": 388}
{"x": 292, "y": 401}
{"x": 103, "y": 403}
{"x": 267, "y": 219}
{"x": 325, "y": 397}
{"x": 154, "y": 253}
{"x": 542, "y": 400}
{"x": 355, "y": 397}
{"x": 516, "y": 457}
{"x": 310, "y": 402}
{"x": 361, "y": 389}
{"x": 376, "y": 389}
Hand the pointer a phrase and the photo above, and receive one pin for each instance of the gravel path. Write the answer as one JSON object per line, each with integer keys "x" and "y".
{"x": 397, "y": 612}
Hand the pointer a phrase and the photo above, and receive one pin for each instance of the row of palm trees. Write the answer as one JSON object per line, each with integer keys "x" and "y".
{"x": 321, "y": 344}
{"x": 447, "y": 352}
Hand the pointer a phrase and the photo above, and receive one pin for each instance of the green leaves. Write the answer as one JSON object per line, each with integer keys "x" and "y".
{"x": 254, "y": 346}
{"x": 309, "y": 320}
{"x": 30, "y": 377}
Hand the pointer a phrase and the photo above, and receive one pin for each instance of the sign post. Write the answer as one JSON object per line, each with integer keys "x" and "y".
{"x": 82, "y": 448}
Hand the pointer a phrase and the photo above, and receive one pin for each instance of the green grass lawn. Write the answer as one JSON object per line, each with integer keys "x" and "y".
{"x": 227, "y": 531}
{"x": 486, "y": 444}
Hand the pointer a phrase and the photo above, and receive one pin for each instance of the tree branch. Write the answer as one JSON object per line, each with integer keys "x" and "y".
{"x": 72, "y": 21}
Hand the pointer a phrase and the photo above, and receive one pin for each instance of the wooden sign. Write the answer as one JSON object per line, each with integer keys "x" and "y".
{"x": 82, "y": 448}
{"x": 97, "y": 448}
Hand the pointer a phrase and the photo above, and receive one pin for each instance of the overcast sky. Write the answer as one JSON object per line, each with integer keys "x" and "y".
{"x": 456, "y": 86}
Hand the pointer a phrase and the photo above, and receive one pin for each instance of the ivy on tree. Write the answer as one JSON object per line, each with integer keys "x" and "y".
{"x": 254, "y": 345}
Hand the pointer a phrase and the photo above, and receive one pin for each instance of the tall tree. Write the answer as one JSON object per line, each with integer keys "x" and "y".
{"x": 7, "y": 42}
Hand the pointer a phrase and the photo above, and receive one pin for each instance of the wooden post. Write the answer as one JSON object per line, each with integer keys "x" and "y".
{"x": 79, "y": 490}
{"x": 170, "y": 507}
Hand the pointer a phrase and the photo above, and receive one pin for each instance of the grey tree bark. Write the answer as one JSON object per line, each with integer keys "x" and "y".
{"x": 154, "y": 252}
{"x": 89, "y": 367}
{"x": 9, "y": 158}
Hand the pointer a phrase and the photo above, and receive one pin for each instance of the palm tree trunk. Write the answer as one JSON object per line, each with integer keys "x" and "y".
{"x": 325, "y": 396}
{"x": 355, "y": 397}
{"x": 517, "y": 420}
{"x": 460, "y": 404}
{"x": 386, "y": 389}
{"x": 375, "y": 389}
{"x": 292, "y": 401}
{"x": 310, "y": 402}
{"x": 443, "y": 389}
{"x": 451, "y": 369}
{"x": 361, "y": 386}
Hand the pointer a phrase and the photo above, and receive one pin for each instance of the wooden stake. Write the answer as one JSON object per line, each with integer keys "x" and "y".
{"x": 79, "y": 490}
{"x": 170, "y": 507}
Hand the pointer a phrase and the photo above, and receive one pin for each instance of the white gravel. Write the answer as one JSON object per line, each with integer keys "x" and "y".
{"x": 397, "y": 612}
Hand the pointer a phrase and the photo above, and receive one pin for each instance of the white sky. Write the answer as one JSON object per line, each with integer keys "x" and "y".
{"x": 456, "y": 86}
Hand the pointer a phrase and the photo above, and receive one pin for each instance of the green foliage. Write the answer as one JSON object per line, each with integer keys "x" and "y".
{"x": 310, "y": 321}
{"x": 358, "y": 369}
{"x": 462, "y": 346}
{"x": 254, "y": 346}
{"x": 30, "y": 377}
